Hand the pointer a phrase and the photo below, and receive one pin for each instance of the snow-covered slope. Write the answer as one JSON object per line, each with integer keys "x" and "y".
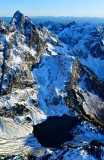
{"x": 51, "y": 88}
{"x": 42, "y": 77}
{"x": 86, "y": 43}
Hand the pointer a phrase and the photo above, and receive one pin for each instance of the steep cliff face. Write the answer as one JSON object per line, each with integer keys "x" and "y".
{"x": 21, "y": 46}
{"x": 17, "y": 82}
{"x": 85, "y": 94}
{"x": 42, "y": 76}
{"x": 18, "y": 55}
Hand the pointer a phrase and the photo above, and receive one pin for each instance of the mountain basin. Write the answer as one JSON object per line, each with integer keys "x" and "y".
{"x": 55, "y": 130}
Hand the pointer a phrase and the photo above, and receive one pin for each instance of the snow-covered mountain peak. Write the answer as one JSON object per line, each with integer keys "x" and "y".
{"x": 21, "y": 23}
{"x": 17, "y": 18}
{"x": 17, "y": 14}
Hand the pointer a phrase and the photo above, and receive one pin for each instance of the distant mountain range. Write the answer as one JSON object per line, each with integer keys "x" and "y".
{"x": 65, "y": 20}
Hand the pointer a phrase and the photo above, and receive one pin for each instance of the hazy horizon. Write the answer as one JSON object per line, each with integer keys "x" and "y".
{"x": 55, "y": 16}
{"x": 61, "y": 19}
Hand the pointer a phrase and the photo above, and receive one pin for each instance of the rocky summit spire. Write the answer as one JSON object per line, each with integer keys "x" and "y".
{"x": 17, "y": 16}
{"x": 17, "y": 20}
{"x": 20, "y": 21}
{"x": 17, "y": 12}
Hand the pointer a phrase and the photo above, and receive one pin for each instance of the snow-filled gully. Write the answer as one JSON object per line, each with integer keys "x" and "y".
{"x": 50, "y": 76}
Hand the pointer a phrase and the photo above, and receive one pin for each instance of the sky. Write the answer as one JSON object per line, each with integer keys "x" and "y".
{"x": 77, "y": 8}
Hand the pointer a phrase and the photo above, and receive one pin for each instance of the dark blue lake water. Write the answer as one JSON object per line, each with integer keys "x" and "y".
{"x": 55, "y": 130}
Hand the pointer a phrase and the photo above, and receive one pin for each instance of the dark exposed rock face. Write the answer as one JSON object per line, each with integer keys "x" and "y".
{"x": 21, "y": 32}
{"x": 80, "y": 97}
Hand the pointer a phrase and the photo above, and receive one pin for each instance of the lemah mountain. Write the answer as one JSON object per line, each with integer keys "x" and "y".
{"x": 51, "y": 90}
